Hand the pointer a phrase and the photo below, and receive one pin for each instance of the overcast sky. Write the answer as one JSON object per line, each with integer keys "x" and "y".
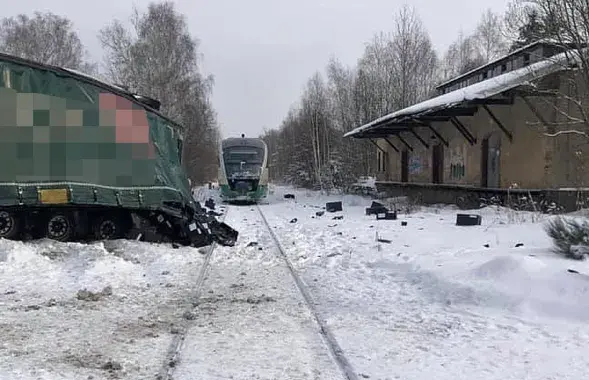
{"x": 261, "y": 52}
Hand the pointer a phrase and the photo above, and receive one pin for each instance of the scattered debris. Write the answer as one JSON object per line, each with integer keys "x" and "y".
{"x": 387, "y": 215}
{"x": 338, "y": 217}
{"x": 189, "y": 315}
{"x": 384, "y": 241}
{"x": 252, "y": 244}
{"x": 375, "y": 208}
{"x": 111, "y": 365}
{"x": 486, "y": 245}
{"x": 468, "y": 220}
{"x": 404, "y": 223}
{"x": 334, "y": 254}
{"x": 572, "y": 271}
{"x": 210, "y": 203}
{"x": 519, "y": 245}
{"x": 289, "y": 196}
{"x": 294, "y": 220}
{"x": 320, "y": 213}
{"x": 87, "y": 295}
{"x": 333, "y": 206}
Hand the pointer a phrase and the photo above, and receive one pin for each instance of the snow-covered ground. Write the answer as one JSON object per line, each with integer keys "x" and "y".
{"x": 437, "y": 302}
{"x": 251, "y": 322}
{"x": 440, "y": 301}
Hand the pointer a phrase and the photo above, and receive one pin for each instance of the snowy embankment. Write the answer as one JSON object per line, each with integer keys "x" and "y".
{"x": 440, "y": 301}
{"x": 102, "y": 310}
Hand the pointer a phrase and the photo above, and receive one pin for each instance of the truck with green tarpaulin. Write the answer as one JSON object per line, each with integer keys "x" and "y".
{"x": 84, "y": 159}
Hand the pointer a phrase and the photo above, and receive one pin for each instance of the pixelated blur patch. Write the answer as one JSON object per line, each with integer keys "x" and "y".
{"x": 41, "y": 118}
{"x": 108, "y": 117}
{"x": 24, "y": 150}
{"x": 8, "y": 107}
{"x": 74, "y": 118}
{"x": 107, "y": 101}
{"x": 41, "y": 134}
{"x": 91, "y": 118}
{"x": 40, "y": 101}
{"x": 139, "y": 151}
{"x": 127, "y": 132}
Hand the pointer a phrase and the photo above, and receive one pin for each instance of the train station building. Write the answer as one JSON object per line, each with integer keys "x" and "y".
{"x": 497, "y": 132}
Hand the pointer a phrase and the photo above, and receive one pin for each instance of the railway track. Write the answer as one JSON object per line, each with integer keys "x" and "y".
{"x": 175, "y": 349}
{"x": 328, "y": 337}
{"x": 326, "y": 347}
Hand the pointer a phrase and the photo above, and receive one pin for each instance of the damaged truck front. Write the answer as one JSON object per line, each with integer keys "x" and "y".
{"x": 86, "y": 160}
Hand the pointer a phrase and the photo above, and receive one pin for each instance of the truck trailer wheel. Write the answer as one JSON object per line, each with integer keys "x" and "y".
{"x": 9, "y": 226}
{"x": 107, "y": 228}
{"x": 59, "y": 227}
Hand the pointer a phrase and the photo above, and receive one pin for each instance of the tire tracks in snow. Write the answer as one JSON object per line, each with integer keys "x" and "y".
{"x": 175, "y": 349}
{"x": 326, "y": 334}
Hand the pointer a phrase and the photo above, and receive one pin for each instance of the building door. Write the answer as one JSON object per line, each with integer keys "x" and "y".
{"x": 438, "y": 163}
{"x": 405, "y": 166}
{"x": 490, "y": 161}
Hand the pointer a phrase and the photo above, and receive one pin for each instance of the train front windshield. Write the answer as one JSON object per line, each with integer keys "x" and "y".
{"x": 243, "y": 161}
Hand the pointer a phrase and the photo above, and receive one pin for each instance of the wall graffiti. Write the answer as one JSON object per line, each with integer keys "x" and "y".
{"x": 415, "y": 165}
{"x": 457, "y": 162}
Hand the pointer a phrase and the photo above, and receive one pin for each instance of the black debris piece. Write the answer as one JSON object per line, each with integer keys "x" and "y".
{"x": 387, "y": 215}
{"x": 519, "y": 245}
{"x": 294, "y": 220}
{"x": 403, "y": 223}
{"x": 320, "y": 213}
{"x": 572, "y": 271}
{"x": 338, "y": 217}
{"x": 333, "y": 206}
{"x": 376, "y": 208}
{"x": 486, "y": 245}
{"x": 289, "y": 196}
{"x": 210, "y": 203}
{"x": 385, "y": 241}
{"x": 252, "y": 244}
{"x": 468, "y": 220}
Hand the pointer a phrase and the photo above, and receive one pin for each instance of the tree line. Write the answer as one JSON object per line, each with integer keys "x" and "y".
{"x": 156, "y": 56}
{"x": 398, "y": 68}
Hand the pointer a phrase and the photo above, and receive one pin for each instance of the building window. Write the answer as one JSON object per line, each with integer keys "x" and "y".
{"x": 485, "y": 75}
{"x": 504, "y": 67}
{"x": 526, "y": 59}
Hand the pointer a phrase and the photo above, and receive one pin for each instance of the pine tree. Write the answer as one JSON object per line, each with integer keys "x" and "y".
{"x": 532, "y": 30}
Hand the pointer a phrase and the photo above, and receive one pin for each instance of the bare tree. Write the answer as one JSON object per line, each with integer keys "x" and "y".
{"x": 566, "y": 23}
{"x": 414, "y": 59}
{"x": 46, "y": 38}
{"x": 462, "y": 56}
{"x": 395, "y": 70}
{"x": 489, "y": 37}
{"x": 158, "y": 57}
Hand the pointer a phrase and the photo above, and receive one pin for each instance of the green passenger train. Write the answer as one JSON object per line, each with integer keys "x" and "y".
{"x": 243, "y": 169}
